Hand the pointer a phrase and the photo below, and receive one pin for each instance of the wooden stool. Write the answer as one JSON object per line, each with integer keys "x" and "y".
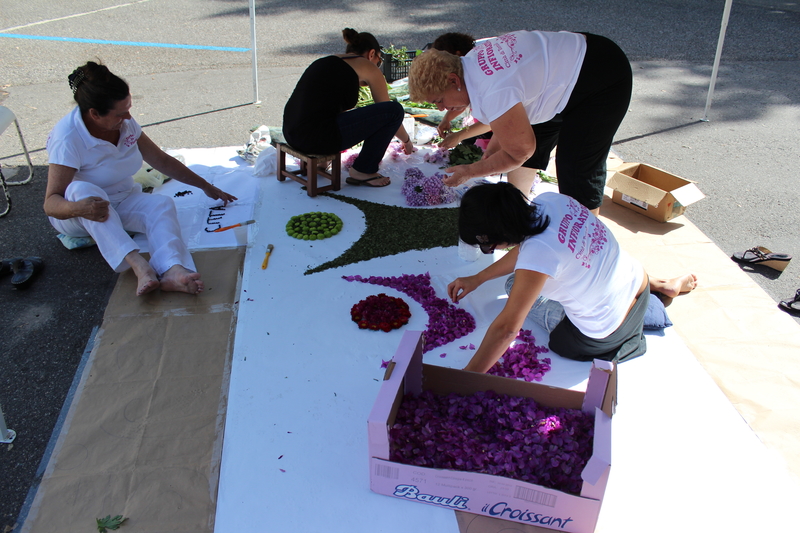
{"x": 310, "y": 169}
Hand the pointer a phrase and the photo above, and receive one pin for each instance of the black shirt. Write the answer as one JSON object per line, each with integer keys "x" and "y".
{"x": 328, "y": 87}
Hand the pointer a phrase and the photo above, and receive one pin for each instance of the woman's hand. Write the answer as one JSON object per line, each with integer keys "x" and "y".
{"x": 443, "y": 128}
{"x": 408, "y": 147}
{"x": 457, "y": 175}
{"x": 450, "y": 141}
{"x": 216, "y": 193}
{"x": 460, "y": 287}
{"x": 92, "y": 208}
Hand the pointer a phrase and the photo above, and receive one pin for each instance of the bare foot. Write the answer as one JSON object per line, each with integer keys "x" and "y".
{"x": 675, "y": 286}
{"x": 147, "y": 284}
{"x": 355, "y": 174}
{"x": 180, "y": 279}
{"x": 146, "y": 276}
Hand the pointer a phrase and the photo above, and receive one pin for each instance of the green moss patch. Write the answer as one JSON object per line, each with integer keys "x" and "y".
{"x": 392, "y": 230}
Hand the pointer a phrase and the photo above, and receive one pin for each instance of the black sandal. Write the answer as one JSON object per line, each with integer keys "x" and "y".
{"x": 25, "y": 271}
{"x": 792, "y": 306}
{"x": 758, "y": 255}
{"x": 357, "y": 182}
{"x": 5, "y": 267}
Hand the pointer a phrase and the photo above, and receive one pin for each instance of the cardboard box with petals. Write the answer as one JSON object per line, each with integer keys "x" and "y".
{"x": 527, "y": 504}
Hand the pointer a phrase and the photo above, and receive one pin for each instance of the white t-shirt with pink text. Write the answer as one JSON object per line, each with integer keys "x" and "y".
{"x": 538, "y": 69}
{"x": 589, "y": 274}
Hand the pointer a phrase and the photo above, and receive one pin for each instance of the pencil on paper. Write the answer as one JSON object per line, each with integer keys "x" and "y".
{"x": 234, "y": 226}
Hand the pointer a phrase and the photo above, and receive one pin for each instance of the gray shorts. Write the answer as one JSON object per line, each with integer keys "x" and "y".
{"x": 626, "y": 342}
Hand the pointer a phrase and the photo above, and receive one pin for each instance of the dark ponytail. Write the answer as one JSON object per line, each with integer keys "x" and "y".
{"x": 96, "y": 87}
{"x": 359, "y": 43}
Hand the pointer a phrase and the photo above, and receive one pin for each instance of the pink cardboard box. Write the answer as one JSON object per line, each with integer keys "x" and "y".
{"x": 485, "y": 494}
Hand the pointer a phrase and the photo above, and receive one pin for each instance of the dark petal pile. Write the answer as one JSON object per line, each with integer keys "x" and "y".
{"x": 495, "y": 434}
{"x": 521, "y": 360}
{"x": 380, "y": 312}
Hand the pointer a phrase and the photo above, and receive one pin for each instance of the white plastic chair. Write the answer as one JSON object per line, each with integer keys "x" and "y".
{"x": 6, "y": 118}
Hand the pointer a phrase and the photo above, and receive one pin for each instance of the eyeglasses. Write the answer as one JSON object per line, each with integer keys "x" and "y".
{"x": 484, "y": 245}
{"x": 380, "y": 61}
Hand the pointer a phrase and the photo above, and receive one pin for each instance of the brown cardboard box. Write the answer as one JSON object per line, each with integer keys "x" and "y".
{"x": 517, "y": 503}
{"x": 653, "y": 192}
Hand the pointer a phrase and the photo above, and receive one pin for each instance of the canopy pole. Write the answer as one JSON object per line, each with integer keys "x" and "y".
{"x": 253, "y": 50}
{"x": 725, "y": 16}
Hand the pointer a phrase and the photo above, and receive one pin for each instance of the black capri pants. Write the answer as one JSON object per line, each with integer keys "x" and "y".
{"x": 585, "y": 129}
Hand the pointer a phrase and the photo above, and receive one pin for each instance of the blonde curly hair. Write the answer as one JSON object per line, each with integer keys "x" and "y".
{"x": 427, "y": 76}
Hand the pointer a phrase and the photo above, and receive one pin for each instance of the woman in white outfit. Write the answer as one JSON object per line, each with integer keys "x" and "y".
{"x": 94, "y": 152}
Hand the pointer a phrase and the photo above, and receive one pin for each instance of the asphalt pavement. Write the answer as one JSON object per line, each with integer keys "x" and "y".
{"x": 200, "y": 93}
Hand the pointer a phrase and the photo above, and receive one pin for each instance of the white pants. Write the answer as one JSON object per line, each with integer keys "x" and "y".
{"x": 151, "y": 214}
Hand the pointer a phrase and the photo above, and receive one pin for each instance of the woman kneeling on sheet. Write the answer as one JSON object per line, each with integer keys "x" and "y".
{"x": 316, "y": 119}
{"x": 94, "y": 152}
{"x": 570, "y": 276}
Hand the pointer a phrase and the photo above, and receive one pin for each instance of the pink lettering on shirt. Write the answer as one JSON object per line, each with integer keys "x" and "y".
{"x": 130, "y": 140}
{"x": 510, "y": 41}
{"x": 569, "y": 230}
{"x": 497, "y": 56}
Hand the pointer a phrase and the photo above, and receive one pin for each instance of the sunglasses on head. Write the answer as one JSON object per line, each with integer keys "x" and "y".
{"x": 484, "y": 245}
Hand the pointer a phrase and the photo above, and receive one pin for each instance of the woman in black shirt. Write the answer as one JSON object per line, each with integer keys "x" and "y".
{"x": 320, "y": 116}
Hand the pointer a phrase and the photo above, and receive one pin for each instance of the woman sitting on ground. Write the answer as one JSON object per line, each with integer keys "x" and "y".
{"x": 94, "y": 152}
{"x": 570, "y": 276}
{"x": 321, "y": 115}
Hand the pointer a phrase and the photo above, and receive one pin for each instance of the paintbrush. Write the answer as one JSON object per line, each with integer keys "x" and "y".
{"x": 266, "y": 256}
{"x": 234, "y": 226}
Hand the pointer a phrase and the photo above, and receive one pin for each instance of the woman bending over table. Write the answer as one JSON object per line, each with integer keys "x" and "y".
{"x": 321, "y": 115}
{"x": 535, "y": 90}
{"x": 570, "y": 276}
{"x": 94, "y": 152}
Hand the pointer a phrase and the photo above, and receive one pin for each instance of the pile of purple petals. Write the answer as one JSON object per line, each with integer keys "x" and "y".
{"x": 349, "y": 159}
{"x": 495, "y": 434}
{"x": 397, "y": 153}
{"x": 421, "y": 190}
{"x": 446, "y": 322}
{"x": 521, "y": 360}
{"x": 438, "y": 156}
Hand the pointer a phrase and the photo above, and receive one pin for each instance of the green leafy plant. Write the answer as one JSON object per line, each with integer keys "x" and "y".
{"x": 421, "y": 105}
{"x": 109, "y": 522}
{"x": 398, "y": 54}
{"x": 464, "y": 154}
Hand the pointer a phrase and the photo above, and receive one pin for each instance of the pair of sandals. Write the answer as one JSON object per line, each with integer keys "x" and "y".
{"x": 24, "y": 270}
{"x": 759, "y": 255}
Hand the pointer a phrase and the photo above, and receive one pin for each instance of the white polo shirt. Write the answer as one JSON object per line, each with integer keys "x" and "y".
{"x": 538, "y": 69}
{"x": 97, "y": 161}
